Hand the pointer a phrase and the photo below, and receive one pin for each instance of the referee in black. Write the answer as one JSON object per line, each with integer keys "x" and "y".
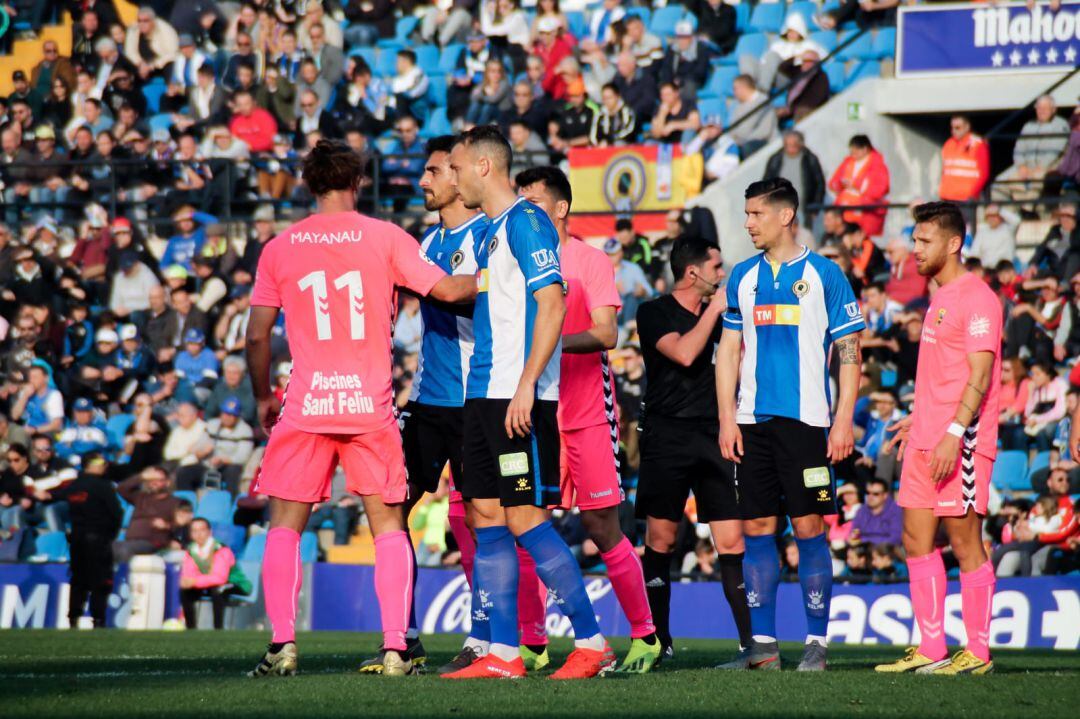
{"x": 96, "y": 517}
{"x": 680, "y": 453}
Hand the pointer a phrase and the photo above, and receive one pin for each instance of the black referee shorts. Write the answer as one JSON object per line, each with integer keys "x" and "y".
{"x": 785, "y": 470}
{"x": 431, "y": 436}
{"x": 518, "y": 471}
{"x": 679, "y": 457}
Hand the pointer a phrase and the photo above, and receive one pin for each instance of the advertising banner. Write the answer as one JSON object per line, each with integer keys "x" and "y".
{"x": 985, "y": 38}
{"x": 1029, "y": 612}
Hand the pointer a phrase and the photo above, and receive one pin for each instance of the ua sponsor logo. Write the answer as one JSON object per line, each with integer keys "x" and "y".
{"x": 544, "y": 258}
{"x": 852, "y": 309}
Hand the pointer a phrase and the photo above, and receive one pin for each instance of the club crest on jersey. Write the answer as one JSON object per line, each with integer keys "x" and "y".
{"x": 800, "y": 288}
{"x": 493, "y": 244}
{"x": 456, "y": 259}
{"x": 941, "y": 315}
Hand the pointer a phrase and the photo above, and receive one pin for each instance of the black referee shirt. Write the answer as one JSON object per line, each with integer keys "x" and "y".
{"x": 670, "y": 389}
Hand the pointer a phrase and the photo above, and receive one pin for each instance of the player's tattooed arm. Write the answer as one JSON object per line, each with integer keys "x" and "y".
{"x": 849, "y": 350}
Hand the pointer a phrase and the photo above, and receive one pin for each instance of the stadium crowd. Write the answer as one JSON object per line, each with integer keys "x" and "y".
{"x": 123, "y": 334}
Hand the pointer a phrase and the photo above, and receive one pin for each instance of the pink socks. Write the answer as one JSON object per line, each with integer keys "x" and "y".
{"x": 977, "y": 598}
{"x": 394, "y": 586}
{"x": 281, "y": 576}
{"x": 628, "y": 581}
{"x": 927, "y": 583}
{"x": 532, "y": 602}
{"x": 466, "y": 543}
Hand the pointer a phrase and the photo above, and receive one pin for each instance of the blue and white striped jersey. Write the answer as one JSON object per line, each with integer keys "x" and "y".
{"x": 447, "y": 343}
{"x": 789, "y": 316}
{"x": 521, "y": 255}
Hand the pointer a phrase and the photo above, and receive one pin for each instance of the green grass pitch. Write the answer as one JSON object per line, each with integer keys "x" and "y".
{"x": 118, "y": 674}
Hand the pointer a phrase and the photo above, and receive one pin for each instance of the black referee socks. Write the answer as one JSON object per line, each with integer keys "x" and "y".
{"x": 657, "y": 569}
{"x": 735, "y": 590}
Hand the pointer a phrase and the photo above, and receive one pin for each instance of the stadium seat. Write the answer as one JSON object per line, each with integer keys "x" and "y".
{"x": 577, "y": 24}
{"x": 754, "y": 44}
{"x": 825, "y": 38}
{"x": 742, "y": 16}
{"x": 439, "y": 123}
{"x": 1040, "y": 461}
{"x": 309, "y": 547}
{"x": 231, "y": 536}
{"x": 368, "y": 53}
{"x": 834, "y": 69}
{"x": 767, "y": 17}
{"x": 642, "y": 12}
{"x": 862, "y": 48}
{"x": 162, "y": 121}
{"x": 712, "y": 107}
{"x": 386, "y": 63}
{"x": 806, "y": 8}
{"x": 153, "y": 92}
{"x": 406, "y": 26}
{"x": 436, "y": 94}
{"x": 863, "y": 70}
{"x": 115, "y": 429}
{"x": 253, "y": 571}
{"x": 189, "y": 495}
{"x": 1010, "y": 471}
{"x": 253, "y": 550}
{"x": 216, "y": 506}
{"x": 664, "y": 20}
{"x": 448, "y": 60}
{"x": 427, "y": 57}
{"x": 719, "y": 84}
{"x": 128, "y": 511}
{"x": 884, "y": 45}
{"x": 52, "y": 547}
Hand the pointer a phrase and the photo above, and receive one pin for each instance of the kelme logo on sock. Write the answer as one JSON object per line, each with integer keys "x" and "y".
{"x": 511, "y": 465}
{"x": 816, "y": 477}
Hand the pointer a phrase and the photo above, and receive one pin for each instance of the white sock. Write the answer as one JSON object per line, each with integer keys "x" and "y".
{"x": 764, "y": 638}
{"x": 595, "y": 642}
{"x": 815, "y": 638}
{"x": 505, "y": 652}
{"x": 479, "y": 646}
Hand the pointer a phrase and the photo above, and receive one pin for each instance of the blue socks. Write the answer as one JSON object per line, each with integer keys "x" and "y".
{"x": 815, "y": 576}
{"x": 560, "y": 573}
{"x": 495, "y": 587}
{"x": 761, "y": 574}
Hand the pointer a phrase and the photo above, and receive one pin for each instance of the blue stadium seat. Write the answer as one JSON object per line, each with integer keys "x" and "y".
{"x": 216, "y": 506}
{"x": 162, "y": 121}
{"x": 806, "y": 8}
{"x": 1040, "y": 461}
{"x": 368, "y": 53}
{"x": 427, "y": 57}
{"x": 885, "y": 43}
{"x": 577, "y": 23}
{"x": 1010, "y": 471}
{"x": 231, "y": 536}
{"x": 309, "y": 547}
{"x": 861, "y": 49}
{"x": 767, "y": 17}
{"x": 719, "y": 84}
{"x": 439, "y": 123}
{"x": 742, "y": 16}
{"x": 52, "y": 547}
{"x": 437, "y": 88}
{"x": 391, "y": 44}
{"x": 386, "y": 63}
{"x": 825, "y": 38}
{"x": 253, "y": 571}
{"x": 642, "y": 12}
{"x": 863, "y": 70}
{"x": 834, "y": 69}
{"x": 189, "y": 495}
{"x": 117, "y": 426}
{"x": 128, "y": 511}
{"x": 254, "y": 549}
{"x": 406, "y": 26}
{"x": 450, "y": 55}
{"x": 153, "y": 92}
{"x": 709, "y": 107}
{"x": 664, "y": 20}
{"x": 751, "y": 44}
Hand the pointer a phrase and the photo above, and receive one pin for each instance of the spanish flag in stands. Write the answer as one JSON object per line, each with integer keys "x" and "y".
{"x": 643, "y": 181}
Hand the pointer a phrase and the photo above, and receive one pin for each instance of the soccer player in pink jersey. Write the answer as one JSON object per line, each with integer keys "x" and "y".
{"x": 948, "y": 444}
{"x": 335, "y": 275}
{"x": 588, "y": 428}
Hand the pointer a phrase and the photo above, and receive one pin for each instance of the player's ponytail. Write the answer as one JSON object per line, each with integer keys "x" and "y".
{"x": 332, "y": 165}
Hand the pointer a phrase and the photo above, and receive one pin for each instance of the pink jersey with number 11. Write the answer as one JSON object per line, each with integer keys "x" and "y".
{"x": 964, "y": 317}
{"x": 334, "y": 277}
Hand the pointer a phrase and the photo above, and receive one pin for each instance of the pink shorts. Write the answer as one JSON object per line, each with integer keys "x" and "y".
{"x": 966, "y": 488}
{"x": 299, "y": 466}
{"x": 457, "y": 502}
{"x": 589, "y": 468}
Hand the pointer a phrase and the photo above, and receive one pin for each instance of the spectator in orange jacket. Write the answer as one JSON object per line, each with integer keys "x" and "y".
{"x": 862, "y": 179}
{"x": 965, "y": 163}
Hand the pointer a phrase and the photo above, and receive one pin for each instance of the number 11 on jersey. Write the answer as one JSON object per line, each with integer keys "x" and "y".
{"x": 316, "y": 282}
